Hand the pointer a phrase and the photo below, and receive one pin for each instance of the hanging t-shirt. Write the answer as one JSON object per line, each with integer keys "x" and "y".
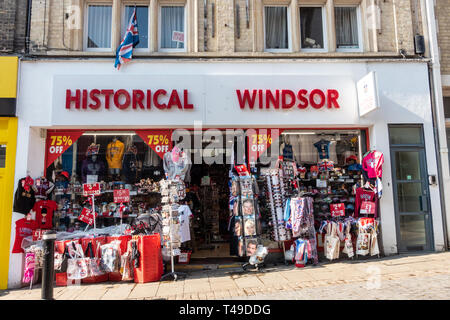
{"x": 288, "y": 154}
{"x": 322, "y": 147}
{"x": 363, "y": 195}
{"x": 114, "y": 154}
{"x": 44, "y": 213}
{"x": 184, "y": 214}
{"x": 372, "y": 164}
{"x": 42, "y": 188}
{"x": 24, "y": 228}
{"x": 24, "y": 197}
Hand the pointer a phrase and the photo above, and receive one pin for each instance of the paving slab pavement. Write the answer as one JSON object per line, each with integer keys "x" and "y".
{"x": 398, "y": 277}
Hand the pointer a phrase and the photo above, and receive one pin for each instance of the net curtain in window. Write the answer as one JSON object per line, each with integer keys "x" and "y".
{"x": 346, "y": 27}
{"x": 276, "y": 27}
{"x": 172, "y": 19}
{"x": 99, "y": 26}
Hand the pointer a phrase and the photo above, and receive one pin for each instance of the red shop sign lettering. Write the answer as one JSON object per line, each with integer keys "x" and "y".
{"x": 86, "y": 216}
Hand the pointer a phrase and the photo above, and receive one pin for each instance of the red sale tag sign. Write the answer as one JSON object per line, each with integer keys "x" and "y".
{"x": 121, "y": 195}
{"x": 86, "y": 216}
{"x": 37, "y": 234}
{"x": 242, "y": 170}
{"x": 158, "y": 140}
{"x": 259, "y": 141}
{"x": 58, "y": 142}
{"x": 367, "y": 207}
{"x": 337, "y": 209}
{"x": 90, "y": 189}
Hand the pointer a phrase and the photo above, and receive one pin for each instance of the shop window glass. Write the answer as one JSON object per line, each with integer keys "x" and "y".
{"x": 99, "y": 26}
{"x": 410, "y": 197}
{"x": 142, "y": 20}
{"x": 412, "y": 231}
{"x": 276, "y": 27}
{"x": 407, "y": 164}
{"x": 3, "y": 156}
{"x": 347, "y": 30}
{"x": 172, "y": 27}
{"x": 405, "y": 135}
{"x": 311, "y": 27}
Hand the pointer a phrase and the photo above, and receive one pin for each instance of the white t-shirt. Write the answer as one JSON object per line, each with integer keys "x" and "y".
{"x": 184, "y": 214}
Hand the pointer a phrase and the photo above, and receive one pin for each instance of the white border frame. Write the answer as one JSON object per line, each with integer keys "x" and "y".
{"x": 86, "y": 27}
{"x": 360, "y": 35}
{"x": 124, "y": 22}
{"x": 324, "y": 28}
{"x": 288, "y": 12}
{"x": 185, "y": 27}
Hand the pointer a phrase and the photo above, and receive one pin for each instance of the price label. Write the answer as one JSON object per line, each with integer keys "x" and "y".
{"x": 337, "y": 209}
{"x": 158, "y": 140}
{"x": 58, "y": 142}
{"x": 87, "y": 217}
{"x": 90, "y": 189}
{"x": 367, "y": 207}
{"x": 121, "y": 195}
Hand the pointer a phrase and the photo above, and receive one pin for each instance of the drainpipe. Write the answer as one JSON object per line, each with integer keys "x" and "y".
{"x": 437, "y": 103}
{"x": 28, "y": 31}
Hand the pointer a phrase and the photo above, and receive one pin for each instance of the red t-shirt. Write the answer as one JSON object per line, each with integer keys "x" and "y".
{"x": 372, "y": 164}
{"x": 24, "y": 228}
{"x": 363, "y": 195}
{"x": 44, "y": 213}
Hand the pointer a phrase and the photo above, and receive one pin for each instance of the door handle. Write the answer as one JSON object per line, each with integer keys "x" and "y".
{"x": 423, "y": 203}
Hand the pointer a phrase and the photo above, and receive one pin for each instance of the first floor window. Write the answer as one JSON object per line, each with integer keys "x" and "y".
{"x": 311, "y": 27}
{"x": 276, "y": 27}
{"x": 142, "y": 22}
{"x": 172, "y": 27}
{"x": 347, "y": 31}
{"x": 99, "y": 26}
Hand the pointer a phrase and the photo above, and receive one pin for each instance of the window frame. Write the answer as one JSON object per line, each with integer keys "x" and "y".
{"x": 360, "y": 31}
{"x": 124, "y": 22}
{"x": 86, "y": 27}
{"x": 324, "y": 28}
{"x": 172, "y": 4}
{"x": 288, "y": 13}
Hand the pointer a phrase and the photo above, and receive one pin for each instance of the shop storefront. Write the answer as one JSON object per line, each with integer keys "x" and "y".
{"x": 84, "y": 122}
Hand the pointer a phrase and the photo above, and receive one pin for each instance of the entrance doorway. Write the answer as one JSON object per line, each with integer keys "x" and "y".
{"x": 411, "y": 192}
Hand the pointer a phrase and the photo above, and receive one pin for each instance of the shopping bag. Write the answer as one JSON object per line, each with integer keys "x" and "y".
{"x": 332, "y": 242}
{"x": 363, "y": 243}
{"x": 348, "y": 246}
{"x": 94, "y": 264}
{"x": 110, "y": 261}
{"x": 60, "y": 261}
{"x": 77, "y": 265}
{"x": 374, "y": 250}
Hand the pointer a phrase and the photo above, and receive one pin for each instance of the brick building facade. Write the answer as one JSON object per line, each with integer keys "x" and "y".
{"x": 13, "y": 25}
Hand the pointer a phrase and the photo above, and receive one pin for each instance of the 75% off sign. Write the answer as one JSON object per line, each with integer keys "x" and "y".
{"x": 58, "y": 142}
{"x": 260, "y": 141}
{"x": 158, "y": 140}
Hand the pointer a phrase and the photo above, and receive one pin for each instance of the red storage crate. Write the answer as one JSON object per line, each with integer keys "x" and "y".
{"x": 150, "y": 261}
{"x": 62, "y": 281}
{"x": 123, "y": 242}
{"x": 60, "y": 245}
{"x": 95, "y": 242}
{"x": 96, "y": 279}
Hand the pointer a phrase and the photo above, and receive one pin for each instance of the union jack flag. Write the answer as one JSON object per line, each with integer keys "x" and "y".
{"x": 130, "y": 40}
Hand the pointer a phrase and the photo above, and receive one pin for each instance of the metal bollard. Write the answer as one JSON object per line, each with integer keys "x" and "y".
{"x": 48, "y": 272}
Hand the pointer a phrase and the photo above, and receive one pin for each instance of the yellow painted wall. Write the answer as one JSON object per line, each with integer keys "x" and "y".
{"x": 8, "y": 138}
{"x": 8, "y": 77}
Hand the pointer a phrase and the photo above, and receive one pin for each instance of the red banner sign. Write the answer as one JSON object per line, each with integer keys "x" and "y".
{"x": 58, "y": 142}
{"x": 87, "y": 217}
{"x": 121, "y": 195}
{"x": 90, "y": 189}
{"x": 337, "y": 209}
{"x": 159, "y": 140}
{"x": 259, "y": 141}
{"x": 242, "y": 170}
